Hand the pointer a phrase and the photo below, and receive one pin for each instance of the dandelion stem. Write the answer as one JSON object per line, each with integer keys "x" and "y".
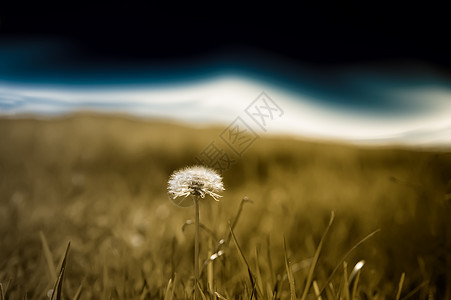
{"x": 196, "y": 181}
{"x": 196, "y": 249}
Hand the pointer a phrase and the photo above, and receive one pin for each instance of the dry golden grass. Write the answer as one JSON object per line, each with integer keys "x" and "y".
{"x": 100, "y": 182}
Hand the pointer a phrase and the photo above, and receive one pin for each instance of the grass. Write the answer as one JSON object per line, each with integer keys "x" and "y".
{"x": 100, "y": 182}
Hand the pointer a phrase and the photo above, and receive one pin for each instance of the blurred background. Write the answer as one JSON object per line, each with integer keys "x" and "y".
{"x": 348, "y": 74}
{"x": 347, "y": 109}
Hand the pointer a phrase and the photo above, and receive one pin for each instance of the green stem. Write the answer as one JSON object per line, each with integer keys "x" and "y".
{"x": 196, "y": 250}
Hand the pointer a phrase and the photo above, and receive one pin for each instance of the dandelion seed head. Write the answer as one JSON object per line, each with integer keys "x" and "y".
{"x": 194, "y": 181}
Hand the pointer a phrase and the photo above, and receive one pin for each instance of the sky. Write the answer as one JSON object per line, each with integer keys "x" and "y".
{"x": 341, "y": 75}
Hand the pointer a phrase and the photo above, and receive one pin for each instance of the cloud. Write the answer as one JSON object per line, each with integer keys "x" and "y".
{"x": 362, "y": 110}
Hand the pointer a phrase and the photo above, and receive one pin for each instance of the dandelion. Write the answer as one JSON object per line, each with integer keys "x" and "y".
{"x": 196, "y": 181}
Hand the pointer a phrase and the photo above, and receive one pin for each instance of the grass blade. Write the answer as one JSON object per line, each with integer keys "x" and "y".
{"x": 275, "y": 291}
{"x": 289, "y": 273}
{"x": 346, "y": 256}
{"x": 240, "y": 252}
{"x": 58, "y": 288}
{"x": 253, "y": 292}
{"x": 210, "y": 271}
{"x": 48, "y": 257}
{"x": 237, "y": 217}
{"x": 174, "y": 282}
{"x": 201, "y": 292}
{"x": 358, "y": 266}
{"x": 2, "y": 292}
{"x": 415, "y": 290}
{"x": 78, "y": 293}
{"x": 315, "y": 258}
{"x": 257, "y": 265}
{"x": 223, "y": 242}
{"x": 345, "y": 281}
{"x": 330, "y": 291}
{"x": 401, "y": 283}
{"x": 168, "y": 294}
{"x": 144, "y": 293}
{"x": 220, "y": 296}
{"x": 354, "y": 286}
{"x": 268, "y": 253}
{"x": 244, "y": 260}
{"x": 316, "y": 290}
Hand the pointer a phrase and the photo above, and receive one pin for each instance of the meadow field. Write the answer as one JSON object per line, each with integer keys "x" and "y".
{"x": 295, "y": 218}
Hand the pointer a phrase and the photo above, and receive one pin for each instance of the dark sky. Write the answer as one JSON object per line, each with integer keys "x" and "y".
{"x": 342, "y": 34}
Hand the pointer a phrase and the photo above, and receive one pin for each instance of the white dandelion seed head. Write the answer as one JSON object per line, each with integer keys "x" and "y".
{"x": 194, "y": 181}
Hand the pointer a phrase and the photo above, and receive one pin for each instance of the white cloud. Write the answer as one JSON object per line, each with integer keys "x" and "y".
{"x": 222, "y": 99}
